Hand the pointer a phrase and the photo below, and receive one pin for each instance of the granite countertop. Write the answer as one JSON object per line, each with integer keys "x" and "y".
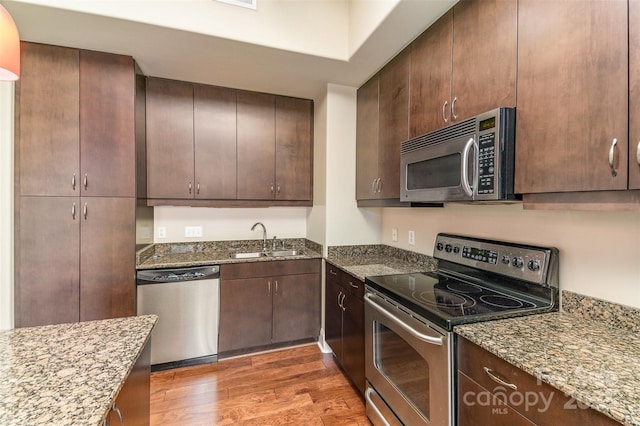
{"x": 67, "y": 374}
{"x": 182, "y": 255}
{"x": 370, "y": 260}
{"x": 594, "y": 363}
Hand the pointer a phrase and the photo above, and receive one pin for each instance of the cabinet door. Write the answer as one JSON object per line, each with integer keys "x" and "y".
{"x": 484, "y": 56}
{"x": 353, "y": 340}
{"x": 47, "y": 121}
{"x": 634, "y": 94}
{"x": 47, "y": 256}
{"x": 394, "y": 122}
{"x": 256, "y": 146}
{"x": 134, "y": 398}
{"x": 296, "y": 307}
{"x": 107, "y": 125}
{"x": 367, "y": 140}
{"x": 431, "y": 77}
{"x": 107, "y": 258}
{"x": 572, "y": 96}
{"x": 294, "y": 149}
{"x": 169, "y": 139}
{"x": 245, "y": 314}
{"x": 333, "y": 313}
{"x": 214, "y": 142}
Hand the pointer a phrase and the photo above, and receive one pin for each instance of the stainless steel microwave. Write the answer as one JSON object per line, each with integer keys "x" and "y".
{"x": 472, "y": 160}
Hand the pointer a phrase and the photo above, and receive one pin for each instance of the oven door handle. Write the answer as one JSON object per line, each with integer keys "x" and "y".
{"x": 415, "y": 333}
{"x": 367, "y": 396}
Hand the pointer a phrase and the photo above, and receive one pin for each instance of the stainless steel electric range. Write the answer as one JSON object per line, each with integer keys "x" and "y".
{"x": 409, "y": 320}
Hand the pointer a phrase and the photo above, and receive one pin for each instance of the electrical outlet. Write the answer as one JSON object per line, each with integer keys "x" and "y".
{"x": 162, "y": 232}
{"x": 192, "y": 231}
{"x": 412, "y": 238}
{"x": 394, "y": 234}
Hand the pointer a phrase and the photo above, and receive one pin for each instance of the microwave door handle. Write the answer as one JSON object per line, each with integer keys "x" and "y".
{"x": 465, "y": 167}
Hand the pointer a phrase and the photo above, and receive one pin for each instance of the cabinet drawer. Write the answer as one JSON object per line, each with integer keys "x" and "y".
{"x": 269, "y": 269}
{"x": 350, "y": 283}
{"x": 538, "y": 401}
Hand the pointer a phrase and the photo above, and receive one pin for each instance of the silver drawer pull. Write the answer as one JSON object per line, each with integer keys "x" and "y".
{"x": 612, "y": 150}
{"x": 638, "y": 154}
{"x": 367, "y": 396}
{"x": 498, "y": 380}
{"x": 332, "y": 272}
{"x": 353, "y": 285}
{"x": 85, "y": 183}
{"x": 444, "y": 108}
{"x": 453, "y": 109}
{"x": 73, "y": 182}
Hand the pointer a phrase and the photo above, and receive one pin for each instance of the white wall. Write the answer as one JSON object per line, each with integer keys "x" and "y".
{"x": 346, "y": 224}
{"x": 599, "y": 251}
{"x": 6, "y": 205}
{"x": 317, "y": 215}
{"x": 224, "y": 224}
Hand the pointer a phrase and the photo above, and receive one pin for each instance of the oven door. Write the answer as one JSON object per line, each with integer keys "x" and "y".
{"x": 441, "y": 172}
{"x": 408, "y": 363}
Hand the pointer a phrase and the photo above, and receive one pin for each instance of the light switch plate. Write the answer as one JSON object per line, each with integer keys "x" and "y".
{"x": 412, "y": 238}
{"x": 394, "y": 234}
{"x": 162, "y": 232}
{"x": 192, "y": 231}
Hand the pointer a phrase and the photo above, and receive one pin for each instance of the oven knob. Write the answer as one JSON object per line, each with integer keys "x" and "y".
{"x": 456, "y": 249}
{"x": 448, "y": 248}
{"x": 534, "y": 265}
{"x": 506, "y": 260}
{"x": 517, "y": 262}
{"x": 439, "y": 246}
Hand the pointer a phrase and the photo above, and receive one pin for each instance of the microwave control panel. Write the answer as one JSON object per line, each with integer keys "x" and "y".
{"x": 486, "y": 163}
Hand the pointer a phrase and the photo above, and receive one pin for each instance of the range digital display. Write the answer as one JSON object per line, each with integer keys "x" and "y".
{"x": 481, "y": 255}
{"x": 486, "y": 124}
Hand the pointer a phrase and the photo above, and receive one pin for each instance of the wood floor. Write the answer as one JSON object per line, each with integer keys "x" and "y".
{"x": 298, "y": 386}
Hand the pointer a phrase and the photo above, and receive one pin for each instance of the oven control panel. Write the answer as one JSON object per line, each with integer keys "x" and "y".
{"x": 530, "y": 263}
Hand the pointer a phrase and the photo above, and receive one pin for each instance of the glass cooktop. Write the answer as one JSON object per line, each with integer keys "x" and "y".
{"x": 449, "y": 301}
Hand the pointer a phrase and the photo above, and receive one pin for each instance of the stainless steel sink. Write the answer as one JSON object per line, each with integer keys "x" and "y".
{"x": 247, "y": 255}
{"x": 277, "y": 253}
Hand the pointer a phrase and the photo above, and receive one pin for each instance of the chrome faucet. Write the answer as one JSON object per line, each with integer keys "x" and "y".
{"x": 264, "y": 235}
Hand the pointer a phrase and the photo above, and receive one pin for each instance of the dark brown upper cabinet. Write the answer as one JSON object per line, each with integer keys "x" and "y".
{"x": 573, "y": 88}
{"x": 634, "y": 95}
{"x": 170, "y": 150}
{"x": 464, "y": 64}
{"x": 382, "y": 125}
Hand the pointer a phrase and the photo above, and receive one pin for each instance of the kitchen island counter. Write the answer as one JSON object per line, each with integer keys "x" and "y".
{"x": 597, "y": 364}
{"x": 68, "y": 374}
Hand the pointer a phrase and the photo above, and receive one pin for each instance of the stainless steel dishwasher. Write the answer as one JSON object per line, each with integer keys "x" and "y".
{"x": 187, "y": 302}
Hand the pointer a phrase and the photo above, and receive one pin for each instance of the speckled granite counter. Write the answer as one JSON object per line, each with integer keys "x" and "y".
{"x": 597, "y": 364}
{"x": 368, "y": 260}
{"x": 181, "y": 255}
{"x": 68, "y": 374}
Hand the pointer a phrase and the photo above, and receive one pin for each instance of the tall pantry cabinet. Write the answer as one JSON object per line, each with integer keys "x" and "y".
{"x": 75, "y": 185}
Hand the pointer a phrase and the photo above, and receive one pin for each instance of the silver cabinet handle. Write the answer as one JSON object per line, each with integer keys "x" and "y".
{"x": 276, "y": 292}
{"x": 465, "y": 168}
{"x": 84, "y": 211}
{"x": 415, "y": 333}
{"x": 353, "y": 285}
{"x": 342, "y": 302}
{"x": 73, "y": 182}
{"x": 269, "y": 285}
{"x": 332, "y": 272}
{"x": 73, "y": 211}
{"x": 612, "y": 150}
{"x": 444, "y": 108}
{"x": 638, "y": 154}
{"x": 190, "y": 187}
{"x": 198, "y": 188}
{"x": 84, "y": 183}
{"x": 278, "y": 189}
{"x": 373, "y": 185}
{"x": 118, "y": 412}
{"x": 339, "y": 295}
{"x": 271, "y": 187}
{"x": 367, "y": 396}
{"x": 379, "y": 185}
{"x": 453, "y": 109}
{"x": 497, "y": 379}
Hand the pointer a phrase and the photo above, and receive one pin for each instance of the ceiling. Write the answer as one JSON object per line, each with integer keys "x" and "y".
{"x": 192, "y": 55}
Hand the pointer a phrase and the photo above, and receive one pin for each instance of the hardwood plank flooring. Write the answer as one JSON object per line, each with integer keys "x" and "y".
{"x": 294, "y": 386}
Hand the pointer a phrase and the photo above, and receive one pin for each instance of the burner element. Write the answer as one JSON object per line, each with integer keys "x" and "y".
{"x": 463, "y": 287}
{"x": 501, "y": 301}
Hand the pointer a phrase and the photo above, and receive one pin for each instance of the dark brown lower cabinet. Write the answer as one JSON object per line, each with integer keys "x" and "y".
{"x": 133, "y": 401}
{"x": 265, "y": 303}
{"x": 483, "y": 400}
{"x": 75, "y": 259}
{"x": 344, "y": 322}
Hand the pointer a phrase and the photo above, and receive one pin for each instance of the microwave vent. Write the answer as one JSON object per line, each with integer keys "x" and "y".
{"x": 467, "y": 127}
